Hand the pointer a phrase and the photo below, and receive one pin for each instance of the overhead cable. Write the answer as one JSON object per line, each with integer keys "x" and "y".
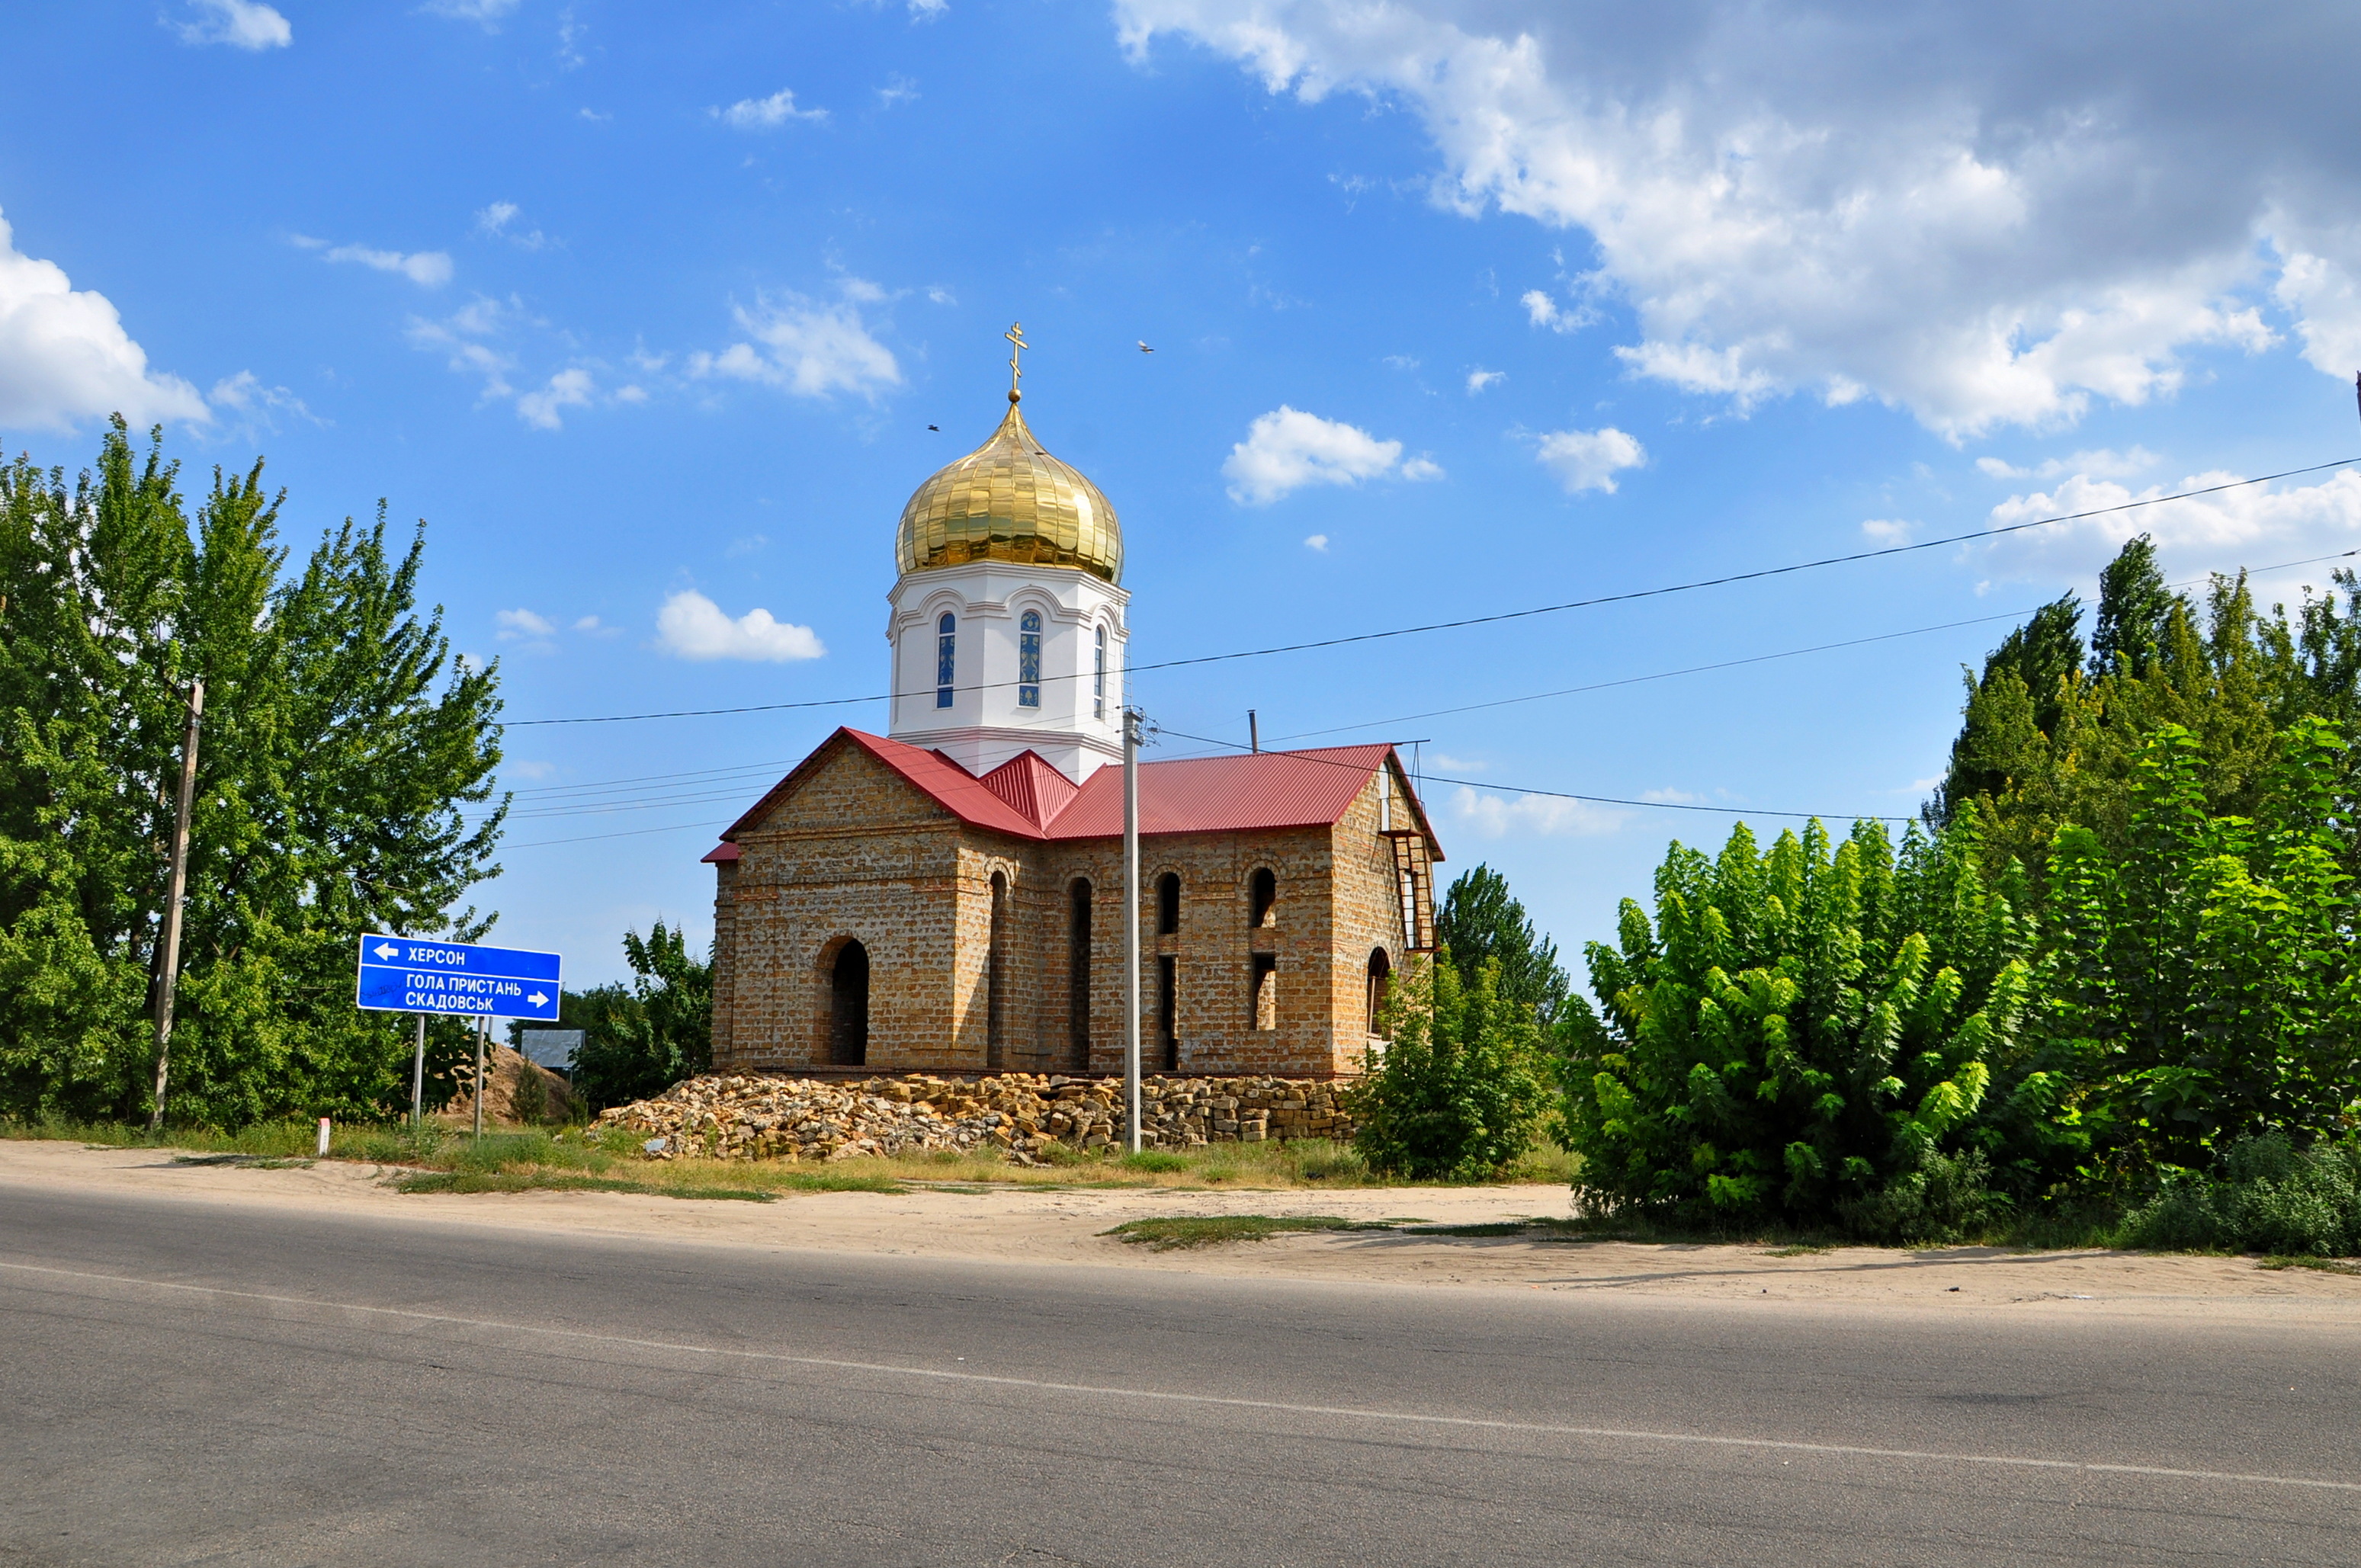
{"x": 1495, "y": 618}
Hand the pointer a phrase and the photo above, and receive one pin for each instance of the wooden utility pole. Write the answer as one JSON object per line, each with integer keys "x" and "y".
{"x": 179, "y": 888}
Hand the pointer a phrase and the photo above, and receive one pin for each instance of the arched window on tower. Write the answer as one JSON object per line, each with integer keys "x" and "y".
{"x": 1262, "y": 892}
{"x": 946, "y": 657}
{"x": 1028, "y": 659}
{"x": 1098, "y": 678}
{"x": 1167, "y": 905}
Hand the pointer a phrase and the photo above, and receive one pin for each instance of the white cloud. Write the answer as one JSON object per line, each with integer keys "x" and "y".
{"x": 927, "y": 10}
{"x": 2101, "y": 464}
{"x": 1318, "y": 542}
{"x": 429, "y": 268}
{"x": 938, "y": 295}
{"x": 241, "y": 24}
{"x": 1496, "y": 816}
{"x": 459, "y": 336}
{"x": 693, "y": 627}
{"x": 1672, "y": 796}
{"x": 1589, "y": 459}
{"x": 898, "y": 88}
{"x": 245, "y": 393}
{"x": 1542, "y": 309}
{"x": 1477, "y": 380}
{"x": 810, "y": 349}
{"x": 487, "y": 12}
{"x": 528, "y": 770}
{"x": 2254, "y": 525}
{"x": 1991, "y": 218}
{"x": 64, "y": 355}
{"x": 748, "y": 545}
{"x": 1287, "y": 449}
{"x": 1447, "y": 764}
{"x": 521, "y": 623}
{"x": 591, "y": 626}
{"x": 766, "y": 113}
{"x": 566, "y": 390}
{"x": 495, "y": 220}
{"x": 1887, "y": 531}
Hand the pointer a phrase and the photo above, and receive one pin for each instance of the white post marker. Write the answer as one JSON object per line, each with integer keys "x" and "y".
{"x": 483, "y": 1027}
{"x": 324, "y": 1138}
{"x": 1131, "y": 921}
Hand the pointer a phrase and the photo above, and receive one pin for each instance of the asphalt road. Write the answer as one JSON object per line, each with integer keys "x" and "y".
{"x": 184, "y": 1382}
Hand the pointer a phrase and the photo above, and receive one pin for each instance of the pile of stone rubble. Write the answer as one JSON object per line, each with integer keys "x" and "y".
{"x": 754, "y": 1116}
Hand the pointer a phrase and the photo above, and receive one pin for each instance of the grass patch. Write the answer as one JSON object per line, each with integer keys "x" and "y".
{"x": 612, "y": 1154}
{"x": 1801, "y": 1249}
{"x": 560, "y": 1181}
{"x": 2310, "y": 1260}
{"x": 1211, "y": 1230}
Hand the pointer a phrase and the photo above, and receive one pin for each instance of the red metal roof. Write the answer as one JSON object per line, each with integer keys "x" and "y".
{"x": 1032, "y": 786}
{"x": 1027, "y": 798}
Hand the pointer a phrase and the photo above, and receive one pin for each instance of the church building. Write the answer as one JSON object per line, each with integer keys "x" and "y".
{"x": 946, "y": 897}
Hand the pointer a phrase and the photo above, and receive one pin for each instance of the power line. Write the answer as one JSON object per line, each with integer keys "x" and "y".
{"x": 1626, "y": 597}
{"x": 1563, "y": 794}
{"x": 1753, "y": 659}
{"x": 714, "y": 779}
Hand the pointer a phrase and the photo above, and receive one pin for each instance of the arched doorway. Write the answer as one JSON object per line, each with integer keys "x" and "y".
{"x": 848, "y": 1007}
{"x": 1381, "y": 978}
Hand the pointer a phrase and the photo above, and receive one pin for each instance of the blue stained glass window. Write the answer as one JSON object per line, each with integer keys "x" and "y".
{"x": 1098, "y": 678}
{"x": 946, "y": 657}
{"x": 1028, "y": 659}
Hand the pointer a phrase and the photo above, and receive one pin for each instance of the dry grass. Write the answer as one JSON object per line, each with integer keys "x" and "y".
{"x": 570, "y": 1158}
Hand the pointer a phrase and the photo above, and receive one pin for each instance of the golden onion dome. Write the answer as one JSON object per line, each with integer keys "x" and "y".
{"x": 1009, "y": 501}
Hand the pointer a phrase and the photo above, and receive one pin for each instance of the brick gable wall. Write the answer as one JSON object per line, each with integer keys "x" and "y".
{"x": 855, "y": 852}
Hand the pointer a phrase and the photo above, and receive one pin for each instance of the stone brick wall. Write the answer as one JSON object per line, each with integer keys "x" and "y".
{"x": 857, "y": 853}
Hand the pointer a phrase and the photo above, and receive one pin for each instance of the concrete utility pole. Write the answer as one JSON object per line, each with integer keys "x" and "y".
{"x": 1131, "y": 921}
{"x": 179, "y": 887}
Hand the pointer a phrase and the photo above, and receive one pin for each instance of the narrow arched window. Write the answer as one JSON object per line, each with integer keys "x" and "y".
{"x": 1262, "y": 892}
{"x": 1167, "y": 905}
{"x": 1028, "y": 659}
{"x": 1098, "y": 678}
{"x": 946, "y": 657}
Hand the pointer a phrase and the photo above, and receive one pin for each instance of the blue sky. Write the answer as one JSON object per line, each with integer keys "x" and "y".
{"x": 1458, "y": 306}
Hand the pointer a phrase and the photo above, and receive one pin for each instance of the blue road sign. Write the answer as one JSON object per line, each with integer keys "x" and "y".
{"x": 409, "y": 974}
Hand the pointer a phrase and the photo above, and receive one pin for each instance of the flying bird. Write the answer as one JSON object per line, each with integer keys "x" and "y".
{"x": 934, "y": 427}
{"x": 1145, "y": 350}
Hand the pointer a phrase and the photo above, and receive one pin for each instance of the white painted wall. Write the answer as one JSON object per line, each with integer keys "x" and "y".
{"x": 985, "y": 724}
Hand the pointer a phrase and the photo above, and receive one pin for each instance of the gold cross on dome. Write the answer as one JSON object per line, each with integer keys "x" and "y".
{"x": 1016, "y": 335}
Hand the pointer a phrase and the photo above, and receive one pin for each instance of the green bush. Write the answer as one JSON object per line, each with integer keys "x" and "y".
{"x": 1801, "y": 1039}
{"x": 1461, "y": 1090}
{"x": 2269, "y": 1197}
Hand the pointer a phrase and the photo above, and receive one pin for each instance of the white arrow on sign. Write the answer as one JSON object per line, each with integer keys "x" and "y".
{"x": 387, "y": 949}
{"x": 538, "y": 1000}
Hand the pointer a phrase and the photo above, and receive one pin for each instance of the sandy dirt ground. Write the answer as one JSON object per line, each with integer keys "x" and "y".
{"x": 1051, "y": 1228}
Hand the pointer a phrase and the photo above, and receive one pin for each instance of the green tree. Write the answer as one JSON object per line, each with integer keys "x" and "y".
{"x": 343, "y": 777}
{"x": 2042, "y": 744}
{"x": 2204, "y": 972}
{"x": 1481, "y": 923}
{"x": 1803, "y": 1037}
{"x": 662, "y": 1036}
{"x": 1461, "y": 1086}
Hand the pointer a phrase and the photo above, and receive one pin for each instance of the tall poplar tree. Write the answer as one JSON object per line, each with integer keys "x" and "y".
{"x": 342, "y": 750}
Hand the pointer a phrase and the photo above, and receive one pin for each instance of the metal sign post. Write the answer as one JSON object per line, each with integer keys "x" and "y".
{"x": 424, "y": 978}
